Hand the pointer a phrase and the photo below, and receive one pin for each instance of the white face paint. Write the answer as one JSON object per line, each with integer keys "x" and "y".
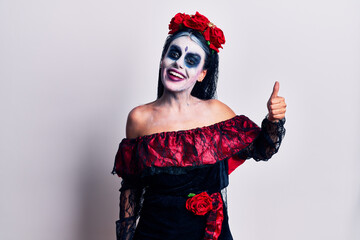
{"x": 182, "y": 65}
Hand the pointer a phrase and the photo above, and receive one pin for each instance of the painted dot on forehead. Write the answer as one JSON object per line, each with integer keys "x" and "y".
{"x": 186, "y": 48}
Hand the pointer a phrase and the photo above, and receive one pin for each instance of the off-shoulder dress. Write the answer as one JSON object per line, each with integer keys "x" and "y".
{"x": 173, "y": 182}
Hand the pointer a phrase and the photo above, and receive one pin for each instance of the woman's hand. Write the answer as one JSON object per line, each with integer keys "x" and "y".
{"x": 276, "y": 105}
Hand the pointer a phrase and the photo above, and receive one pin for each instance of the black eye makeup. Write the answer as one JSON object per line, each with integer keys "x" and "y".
{"x": 192, "y": 60}
{"x": 174, "y": 52}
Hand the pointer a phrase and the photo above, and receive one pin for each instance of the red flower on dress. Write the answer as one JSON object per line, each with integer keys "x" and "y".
{"x": 199, "y": 204}
{"x": 212, "y": 34}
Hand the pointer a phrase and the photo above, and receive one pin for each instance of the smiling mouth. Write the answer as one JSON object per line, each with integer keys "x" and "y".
{"x": 176, "y": 74}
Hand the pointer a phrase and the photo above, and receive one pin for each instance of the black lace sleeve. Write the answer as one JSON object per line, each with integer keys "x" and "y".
{"x": 130, "y": 205}
{"x": 268, "y": 141}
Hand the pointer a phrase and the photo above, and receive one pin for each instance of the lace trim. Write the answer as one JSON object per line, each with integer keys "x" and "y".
{"x": 187, "y": 148}
{"x": 267, "y": 142}
{"x": 178, "y": 155}
{"x": 131, "y": 200}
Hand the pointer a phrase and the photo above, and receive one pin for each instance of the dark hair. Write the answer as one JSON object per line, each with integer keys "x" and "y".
{"x": 206, "y": 89}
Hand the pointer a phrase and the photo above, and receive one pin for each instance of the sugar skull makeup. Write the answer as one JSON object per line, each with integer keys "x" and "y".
{"x": 183, "y": 64}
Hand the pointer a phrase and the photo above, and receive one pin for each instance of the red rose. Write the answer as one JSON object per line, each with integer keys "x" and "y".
{"x": 216, "y": 38}
{"x": 199, "y": 204}
{"x": 206, "y": 34}
{"x": 212, "y": 34}
{"x": 198, "y": 22}
{"x": 176, "y": 21}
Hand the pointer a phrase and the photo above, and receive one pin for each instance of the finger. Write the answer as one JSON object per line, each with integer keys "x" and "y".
{"x": 278, "y": 111}
{"x": 276, "y": 100}
{"x": 275, "y": 90}
{"x": 280, "y": 104}
{"x": 278, "y": 116}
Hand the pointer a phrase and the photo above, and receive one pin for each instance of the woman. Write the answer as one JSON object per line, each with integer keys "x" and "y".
{"x": 180, "y": 149}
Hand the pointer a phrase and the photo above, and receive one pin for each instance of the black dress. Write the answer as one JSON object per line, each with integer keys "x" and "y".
{"x": 175, "y": 181}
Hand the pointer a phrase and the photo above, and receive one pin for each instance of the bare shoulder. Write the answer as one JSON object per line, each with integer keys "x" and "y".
{"x": 221, "y": 110}
{"x": 136, "y": 121}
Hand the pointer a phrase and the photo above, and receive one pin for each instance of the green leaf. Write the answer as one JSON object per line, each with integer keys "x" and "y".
{"x": 191, "y": 194}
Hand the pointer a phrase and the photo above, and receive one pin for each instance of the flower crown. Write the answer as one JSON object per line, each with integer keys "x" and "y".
{"x": 213, "y": 35}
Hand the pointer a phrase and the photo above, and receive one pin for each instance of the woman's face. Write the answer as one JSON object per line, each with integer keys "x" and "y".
{"x": 182, "y": 65}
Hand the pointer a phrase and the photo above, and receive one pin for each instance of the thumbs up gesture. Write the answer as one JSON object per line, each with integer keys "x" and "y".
{"x": 276, "y": 105}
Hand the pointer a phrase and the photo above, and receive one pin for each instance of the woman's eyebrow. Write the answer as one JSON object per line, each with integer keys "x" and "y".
{"x": 195, "y": 55}
{"x": 175, "y": 47}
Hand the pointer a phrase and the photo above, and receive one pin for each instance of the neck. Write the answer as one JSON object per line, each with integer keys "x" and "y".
{"x": 177, "y": 102}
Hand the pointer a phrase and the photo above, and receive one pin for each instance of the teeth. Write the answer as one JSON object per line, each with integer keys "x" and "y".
{"x": 176, "y": 74}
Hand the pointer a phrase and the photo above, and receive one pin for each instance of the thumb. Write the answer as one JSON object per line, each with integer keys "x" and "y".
{"x": 275, "y": 90}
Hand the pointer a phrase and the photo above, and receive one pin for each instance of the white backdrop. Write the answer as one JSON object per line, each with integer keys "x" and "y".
{"x": 71, "y": 70}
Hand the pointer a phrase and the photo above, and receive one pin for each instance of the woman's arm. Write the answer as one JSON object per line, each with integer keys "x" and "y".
{"x": 268, "y": 141}
{"x": 135, "y": 122}
{"x": 272, "y": 128}
{"x": 130, "y": 205}
{"x": 131, "y": 190}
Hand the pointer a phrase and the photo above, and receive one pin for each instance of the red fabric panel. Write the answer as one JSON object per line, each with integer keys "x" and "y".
{"x": 234, "y": 162}
{"x": 186, "y": 148}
